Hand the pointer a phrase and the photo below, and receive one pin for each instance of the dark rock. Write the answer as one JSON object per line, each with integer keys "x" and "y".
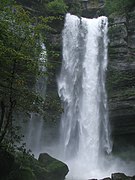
{"x": 107, "y": 178}
{"x": 133, "y": 178}
{"x": 41, "y": 173}
{"x": 119, "y": 19}
{"x": 120, "y": 176}
{"x": 57, "y": 169}
{"x": 92, "y": 9}
{"x": 118, "y": 33}
{"x": 120, "y": 79}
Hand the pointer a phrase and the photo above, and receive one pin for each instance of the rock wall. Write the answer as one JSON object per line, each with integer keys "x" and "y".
{"x": 92, "y": 8}
{"x": 121, "y": 73}
{"x": 121, "y": 79}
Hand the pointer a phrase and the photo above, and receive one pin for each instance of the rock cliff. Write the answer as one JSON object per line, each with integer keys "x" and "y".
{"x": 121, "y": 79}
{"x": 120, "y": 74}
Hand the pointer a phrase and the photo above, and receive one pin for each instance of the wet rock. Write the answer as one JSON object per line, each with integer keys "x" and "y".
{"x": 133, "y": 178}
{"x": 119, "y": 19}
{"x": 120, "y": 176}
{"x": 120, "y": 79}
{"x": 57, "y": 169}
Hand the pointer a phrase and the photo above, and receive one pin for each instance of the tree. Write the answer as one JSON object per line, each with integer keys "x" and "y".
{"x": 57, "y": 7}
{"x": 20, "y": 48}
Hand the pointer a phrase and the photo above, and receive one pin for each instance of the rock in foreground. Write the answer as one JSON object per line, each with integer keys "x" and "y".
{"x": 57, "y": 169}
{"x": 23, "y": 166}
{"x": 118, "y": 176}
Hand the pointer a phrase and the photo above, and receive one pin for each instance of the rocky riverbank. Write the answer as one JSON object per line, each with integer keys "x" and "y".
{"x": 118, "y": 176}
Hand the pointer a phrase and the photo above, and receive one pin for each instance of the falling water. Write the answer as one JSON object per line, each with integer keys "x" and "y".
{"x": 81, "y": 86}
{"x": 34, "y": 132}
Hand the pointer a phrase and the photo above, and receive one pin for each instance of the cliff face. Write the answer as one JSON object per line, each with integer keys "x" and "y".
{"x": 121, "y": 79}
{"x": 121, "y": 73}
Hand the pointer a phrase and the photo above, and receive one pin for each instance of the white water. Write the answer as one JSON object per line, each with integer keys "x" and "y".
{"x": 35, "y": 128}
{"x": 85, "y": 133}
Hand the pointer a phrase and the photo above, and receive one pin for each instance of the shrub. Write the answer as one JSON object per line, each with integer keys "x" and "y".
{"x": 57, "y": 7}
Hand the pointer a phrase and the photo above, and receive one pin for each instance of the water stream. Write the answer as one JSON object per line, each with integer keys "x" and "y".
{"x": 85, "y": 133}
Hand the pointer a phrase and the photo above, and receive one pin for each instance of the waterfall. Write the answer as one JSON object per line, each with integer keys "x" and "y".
{"x": 84, "y": 133}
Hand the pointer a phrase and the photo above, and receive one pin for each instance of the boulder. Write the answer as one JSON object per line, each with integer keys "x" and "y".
{"x": 57, "y": 169}
{"x": 107, "y": 178}
{"x": 120, "y": 176}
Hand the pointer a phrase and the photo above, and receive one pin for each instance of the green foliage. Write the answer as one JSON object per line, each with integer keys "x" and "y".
{"x": 20, "y": 166}
{"x": 57, "y": 7}
{"x": 21, "y": 32}
{"x": 20, "y": 49}
{"x": 27, "y": 161}
{"x": 52, "y": 108}
{"x": 22, "y": 174}
{"x": 118, "y": 7}
{"x": 54, "y": 166}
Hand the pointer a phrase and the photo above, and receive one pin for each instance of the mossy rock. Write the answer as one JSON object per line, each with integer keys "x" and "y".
{"x": 120, "y": 176}
{"x": 57, "y": 169}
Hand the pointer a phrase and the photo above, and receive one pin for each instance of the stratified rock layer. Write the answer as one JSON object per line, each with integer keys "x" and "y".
{"x": 121, "y": 79}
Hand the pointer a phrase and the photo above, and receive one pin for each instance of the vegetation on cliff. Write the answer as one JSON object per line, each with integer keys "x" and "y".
{"x": 20, "y": 49}
{"x": 118, "y": 7}
{"x": 23, "y": 29}
{"x": 22, "y": 166}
